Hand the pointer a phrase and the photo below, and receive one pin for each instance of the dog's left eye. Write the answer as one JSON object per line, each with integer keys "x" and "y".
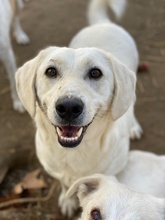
{"x": 95, "y": 214}
{"x": 95, "y": 73}
{"x": 51, "y": 72}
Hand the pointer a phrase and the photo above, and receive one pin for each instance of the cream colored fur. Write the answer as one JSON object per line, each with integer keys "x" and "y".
{"x": 142, "y": 198}
{"x": 107, "y": 103}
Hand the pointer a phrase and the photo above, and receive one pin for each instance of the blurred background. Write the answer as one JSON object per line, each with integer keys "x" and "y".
{"x": 55, "y": 22}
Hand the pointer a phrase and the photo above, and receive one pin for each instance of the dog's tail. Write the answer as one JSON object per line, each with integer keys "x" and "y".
{"x": 97, "y": 11}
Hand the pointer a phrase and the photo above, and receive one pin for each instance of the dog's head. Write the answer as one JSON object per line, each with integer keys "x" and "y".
{"x": 72, "y": 87}
{"x": 104, "y": 198}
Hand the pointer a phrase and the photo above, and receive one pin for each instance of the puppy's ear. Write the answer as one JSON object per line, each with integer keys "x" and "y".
{"x": 124, "y": 88}
{"x": 25, "y": 83}
{"x": 84, "y": 186}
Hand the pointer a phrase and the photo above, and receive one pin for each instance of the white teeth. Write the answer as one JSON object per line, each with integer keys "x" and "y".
{"x": 59, "y": 131}
{"x": 69, "y": 139}
{"x": 80, "y": 132}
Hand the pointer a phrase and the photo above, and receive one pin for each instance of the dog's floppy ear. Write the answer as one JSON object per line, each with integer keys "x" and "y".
{"x": 124, "y": 88}
{"x": 84, "y": 186}
{"x": 25, "y": 83}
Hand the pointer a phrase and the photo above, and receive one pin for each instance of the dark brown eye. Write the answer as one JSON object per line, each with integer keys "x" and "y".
{"x": 51, "y": 72}
{"x": 95, "y": 214}
{"x": 95, "y": 73}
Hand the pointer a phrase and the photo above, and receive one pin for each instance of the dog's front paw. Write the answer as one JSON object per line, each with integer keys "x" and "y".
{"x": 67, "y": 205}
{"x": 136, "y": 131}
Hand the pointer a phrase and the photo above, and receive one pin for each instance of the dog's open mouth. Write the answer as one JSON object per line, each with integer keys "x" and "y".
{"x": 70, "y": 136}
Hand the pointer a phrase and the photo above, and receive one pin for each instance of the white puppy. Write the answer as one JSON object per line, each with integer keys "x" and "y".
{"x": 82, "y": 102}
{"x": 9, "y": 19}
{"x": 104, "y": 198}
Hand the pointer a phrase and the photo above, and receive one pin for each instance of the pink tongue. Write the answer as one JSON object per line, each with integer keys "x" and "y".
{"x": 69, "y": 131}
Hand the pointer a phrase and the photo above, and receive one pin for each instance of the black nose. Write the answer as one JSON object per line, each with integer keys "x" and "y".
{"x": 69, "y": 108}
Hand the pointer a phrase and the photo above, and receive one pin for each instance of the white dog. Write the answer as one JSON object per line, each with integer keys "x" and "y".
{"x": 82, "y": 102}
{"x": 104, "y": 198}
{"x": 9, "y": 20}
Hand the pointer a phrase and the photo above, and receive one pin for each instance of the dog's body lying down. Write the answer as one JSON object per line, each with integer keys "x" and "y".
{"x": 104, "y": 198}
{"x": 82, "y": 102}
{"x": 145, "y": 172}
{"x": 9, "y": 20}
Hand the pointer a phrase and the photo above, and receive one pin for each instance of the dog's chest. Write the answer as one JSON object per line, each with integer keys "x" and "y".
{"x": 68, "y": 165}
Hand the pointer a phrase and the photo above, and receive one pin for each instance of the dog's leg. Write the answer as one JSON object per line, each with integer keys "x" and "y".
{"x": 10, "y": 65}
{"x": 67, "y": 205}
{"x": 18, "y": 32}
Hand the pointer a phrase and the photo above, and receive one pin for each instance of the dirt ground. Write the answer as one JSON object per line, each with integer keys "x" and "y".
{"x": 50, "y": 22}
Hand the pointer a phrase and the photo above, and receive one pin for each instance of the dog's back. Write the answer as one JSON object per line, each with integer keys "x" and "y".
{"x": 104, "y": 34}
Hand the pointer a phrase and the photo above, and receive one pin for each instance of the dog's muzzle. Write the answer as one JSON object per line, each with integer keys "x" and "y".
{"x": 70, "y": 132}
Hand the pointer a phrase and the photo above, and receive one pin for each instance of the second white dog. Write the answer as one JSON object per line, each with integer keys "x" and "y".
{"x": 104, "y": 198}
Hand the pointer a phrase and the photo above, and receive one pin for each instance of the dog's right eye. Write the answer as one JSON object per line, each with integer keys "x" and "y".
{"x": 95, "y": 73}
{"x": 95, "y": 214}
{"x": 51, "y": 72}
